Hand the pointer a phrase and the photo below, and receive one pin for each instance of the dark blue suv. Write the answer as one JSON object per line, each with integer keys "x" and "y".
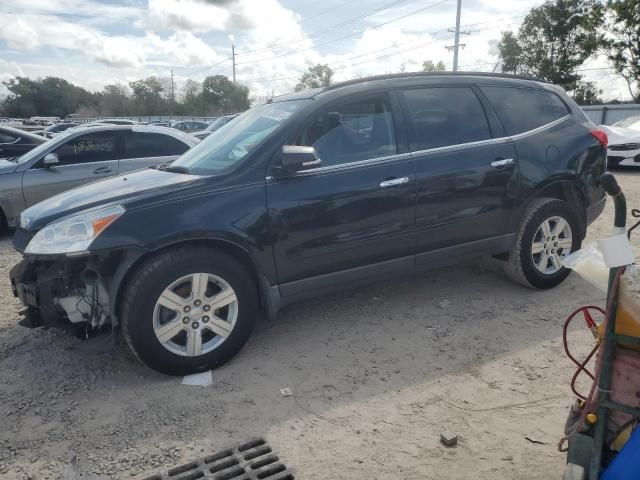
{"x": 310, "y": 193}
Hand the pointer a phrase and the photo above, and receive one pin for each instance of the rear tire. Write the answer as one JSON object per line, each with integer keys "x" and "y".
{"x": 548, "y": 233}
{"x": 176, "y": 330}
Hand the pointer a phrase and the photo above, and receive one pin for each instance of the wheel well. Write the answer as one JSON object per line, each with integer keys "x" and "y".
{"x": 568, "y": 192}
{"x": 231, "y": 249}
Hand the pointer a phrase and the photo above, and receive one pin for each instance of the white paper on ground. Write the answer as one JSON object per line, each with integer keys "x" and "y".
{"x": 616, "y": 251}
{"x": 203, "y": 379}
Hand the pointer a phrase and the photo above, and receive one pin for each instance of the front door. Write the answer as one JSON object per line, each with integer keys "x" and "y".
{"x": 354, "y": 214}
{"x": 466, "y": 174}
{"x": 82, "y": 159}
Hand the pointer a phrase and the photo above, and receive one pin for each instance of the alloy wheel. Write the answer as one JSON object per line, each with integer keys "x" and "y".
{"x": 551, "y": 245}
{"x": 195, "y": 314}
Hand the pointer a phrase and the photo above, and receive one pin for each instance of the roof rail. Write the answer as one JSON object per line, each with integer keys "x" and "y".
{"x": 356, "y": 81}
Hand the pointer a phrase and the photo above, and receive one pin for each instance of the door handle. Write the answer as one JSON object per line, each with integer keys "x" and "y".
{"x": 502, "y": 162}
{"x": 394, "y": 181}
{"x": 100, "y": 170}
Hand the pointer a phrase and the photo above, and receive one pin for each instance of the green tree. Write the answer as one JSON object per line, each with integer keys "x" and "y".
{"x": 554, "y": 40}
{"x": 115, "y": 101}
{"x": 149, "y": 96}
{"x": 315, "y": 77}
{"x": 510, "y": 53}
{"x": 586, "y": 93}
{"x": 221, "y": 95}
{"x": 429, "y": 66}
{"x": 50, "y": 96}
{"x": 622, "y": 46}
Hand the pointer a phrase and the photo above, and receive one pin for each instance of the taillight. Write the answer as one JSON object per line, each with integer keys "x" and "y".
{"x": 601, "y": 137}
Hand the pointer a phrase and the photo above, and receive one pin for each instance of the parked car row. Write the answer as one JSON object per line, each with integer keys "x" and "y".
{"x": 309, "y": 194}
{"x": 213, "y": 126}
{"x": 78, "y": 156}
{"x": 624, "y": 143}
{"x": 15, "y": 142}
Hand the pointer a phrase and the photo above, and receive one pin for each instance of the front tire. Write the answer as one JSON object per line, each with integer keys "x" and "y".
{"x": 188, "y": 310}
{"x": 548, "y": 234}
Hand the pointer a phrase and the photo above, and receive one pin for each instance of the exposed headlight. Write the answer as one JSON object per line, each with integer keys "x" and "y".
{"x": 73, "y": 234}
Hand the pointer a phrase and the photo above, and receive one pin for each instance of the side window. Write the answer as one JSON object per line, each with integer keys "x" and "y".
{"x": 90, "y": 147}
{"x": 443, "y": 116}
{"x": 523, "y": 109}
{"x": 142, "y": 145}
{"x": 359, "y": 130}
{"x": 6, "y": 138}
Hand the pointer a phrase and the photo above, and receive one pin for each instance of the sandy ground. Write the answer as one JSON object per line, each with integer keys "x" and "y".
{"x": 377, "y": 375}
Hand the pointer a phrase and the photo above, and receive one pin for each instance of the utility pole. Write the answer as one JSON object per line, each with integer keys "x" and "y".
{"x": 456, "y": 45}
{"x": 173, "y": 93}
{"x": 233, "y": 59}
{"x": 457, "y": 39}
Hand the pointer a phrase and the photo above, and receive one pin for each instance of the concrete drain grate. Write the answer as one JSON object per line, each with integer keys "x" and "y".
{"x": 253, "y": 460}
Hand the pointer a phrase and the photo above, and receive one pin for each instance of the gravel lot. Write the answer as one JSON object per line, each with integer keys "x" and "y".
{"x": 376, "y": 373}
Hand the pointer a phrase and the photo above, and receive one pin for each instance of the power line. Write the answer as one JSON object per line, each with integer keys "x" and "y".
{"x": 348, "y": 61}
{"x": 440, "y": 2}
{"x": 326, "y": 29}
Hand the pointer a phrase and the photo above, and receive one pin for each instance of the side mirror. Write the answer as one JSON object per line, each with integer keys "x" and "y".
{"x": 51, "y": 159}
{"x": 295, "y": 158}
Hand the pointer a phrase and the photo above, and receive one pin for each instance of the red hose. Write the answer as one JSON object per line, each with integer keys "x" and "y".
{"x": 581, "y": 365}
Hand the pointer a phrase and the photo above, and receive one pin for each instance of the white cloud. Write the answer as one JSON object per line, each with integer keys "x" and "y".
{"x": 181, "y": 48}
{"x": 19, "y": 35}
{"x": 189, "y": 15}
{"x": 108, "y": 42}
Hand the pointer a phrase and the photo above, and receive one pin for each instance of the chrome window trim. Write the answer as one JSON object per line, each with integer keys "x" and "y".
{"x": 541, "y": 128}
{"x": 428, "y": 151}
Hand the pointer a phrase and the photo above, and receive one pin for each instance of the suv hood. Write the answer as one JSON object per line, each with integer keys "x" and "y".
{"x": 122, "y": 190}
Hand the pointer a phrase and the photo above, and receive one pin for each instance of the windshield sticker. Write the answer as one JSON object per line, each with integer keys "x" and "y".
{"x": 91, "y": 146}
{"x": 277, "y": 115}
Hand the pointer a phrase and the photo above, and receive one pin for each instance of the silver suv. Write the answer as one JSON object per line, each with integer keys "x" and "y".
{"x": 83, "y": 155}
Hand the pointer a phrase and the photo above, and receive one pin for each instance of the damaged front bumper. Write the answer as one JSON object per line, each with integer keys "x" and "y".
{"x": 66, "y": 290}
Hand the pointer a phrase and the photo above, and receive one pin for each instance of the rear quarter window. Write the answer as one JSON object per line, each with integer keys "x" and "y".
{"x": 143, "y": 144}
{"x": 524, "y": 109}
{"x": 444, "y": 116}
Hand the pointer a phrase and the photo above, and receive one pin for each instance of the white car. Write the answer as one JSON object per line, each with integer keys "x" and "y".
{"x": 624, "y": 143}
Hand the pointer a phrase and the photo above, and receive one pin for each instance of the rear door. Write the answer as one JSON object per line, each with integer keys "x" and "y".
{"x": 147, "y": 149}
{"x": 354, "y": 214}
{"x": 82, "y": 159}
{"x": 466, "y": 173}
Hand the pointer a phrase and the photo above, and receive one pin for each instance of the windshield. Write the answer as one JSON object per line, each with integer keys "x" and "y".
{"x": 234, "y": 141}
{"x": 216, "y": 124}
{"x": 40, "y": 149}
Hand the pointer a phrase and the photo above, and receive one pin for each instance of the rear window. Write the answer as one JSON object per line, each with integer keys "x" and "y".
{"x": 442, "y": 116}
{"x": 524, "y": 109}
{"x": 142, "y": 145}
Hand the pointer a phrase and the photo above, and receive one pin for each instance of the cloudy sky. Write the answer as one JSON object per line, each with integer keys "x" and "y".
{"x": 93, "y": 43}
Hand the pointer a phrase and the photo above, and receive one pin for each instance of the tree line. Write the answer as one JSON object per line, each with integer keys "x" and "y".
{"x": 53, "y": 96}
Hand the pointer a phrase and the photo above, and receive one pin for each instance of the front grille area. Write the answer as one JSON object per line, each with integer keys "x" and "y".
{"x": 253, "y": 460}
